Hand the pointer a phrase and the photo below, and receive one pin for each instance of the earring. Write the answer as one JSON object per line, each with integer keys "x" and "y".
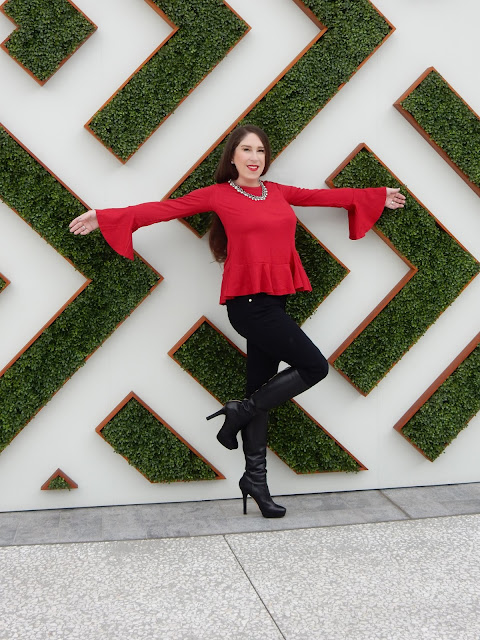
{"x": 232, "y": 162}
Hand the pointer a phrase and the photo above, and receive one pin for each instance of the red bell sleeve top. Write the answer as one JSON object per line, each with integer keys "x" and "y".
{"x": 261, "y": 253}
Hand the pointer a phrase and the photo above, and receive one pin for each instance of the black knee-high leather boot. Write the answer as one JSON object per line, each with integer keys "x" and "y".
{"x": 283, "y": 386}
{"x": 254, "y": 480}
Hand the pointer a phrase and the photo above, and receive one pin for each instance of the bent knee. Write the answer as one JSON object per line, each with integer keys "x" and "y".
{"x": 317, "y": 373}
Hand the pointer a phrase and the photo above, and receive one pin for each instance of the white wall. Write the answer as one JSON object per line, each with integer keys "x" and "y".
{"x": 49, "y": 121}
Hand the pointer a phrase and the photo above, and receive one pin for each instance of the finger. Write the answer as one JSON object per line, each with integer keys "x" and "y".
{"x": 81, "y": 220}
{"x": 393, "y": 204}
{"x": 79, "y": 228}
{"x": 75, "y": 221}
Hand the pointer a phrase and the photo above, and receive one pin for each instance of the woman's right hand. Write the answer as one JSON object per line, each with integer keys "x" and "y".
{"x": 84, "y": 224}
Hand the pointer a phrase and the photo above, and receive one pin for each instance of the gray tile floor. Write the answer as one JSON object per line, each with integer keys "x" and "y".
{"x": 187, "y": 519}
{"x": 397, "y": 564}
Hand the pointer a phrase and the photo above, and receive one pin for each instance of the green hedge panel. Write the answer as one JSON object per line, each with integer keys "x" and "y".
{"x": 444, "y": 269}
{"x": 117, "y": 287}
{"x": 323, "y": 270}
{"x": 152, "y": 448}
{"x": 49, "y": 32}
{"x": 448, "y": 121}
{"x": 58, "y": 484}
{"x": 207, "y": 31}
{"x": 3, "y": 284}
{"x": 294, "y": 437}
{"x": 448, "y": 410}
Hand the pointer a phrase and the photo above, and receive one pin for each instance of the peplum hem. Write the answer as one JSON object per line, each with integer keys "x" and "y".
{"x": 263, "y": 277}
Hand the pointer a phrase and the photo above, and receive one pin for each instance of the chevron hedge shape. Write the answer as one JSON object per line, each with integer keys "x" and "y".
{"x": 354, "y": 30}
{"x": 204, "y": 32}
{"x": 303, "y": 444}
{"x": 441, "y": 269}
{"x": 325, "y": 272}
{"x": 446, "y": 121}
{"x": 150, "y": 445}
{"x": 115, "y": 288}
{"x": 48, "y": 33}
{"x": 447, "y": 405}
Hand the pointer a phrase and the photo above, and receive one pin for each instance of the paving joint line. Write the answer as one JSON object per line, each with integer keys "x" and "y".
{"x": 253, "y": 586}
{"x": 396, "y": 505}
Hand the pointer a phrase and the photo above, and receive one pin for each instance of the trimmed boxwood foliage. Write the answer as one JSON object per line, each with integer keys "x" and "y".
{"x": 324, "y": 271}
{"x": 58, "y": 484}
{"x": 151, "y": 448}
{"x": 444, "y": 269}
{"x": 355, "y": 28}
{"x": 292, "y": 435}
{"x": 207, "y": 31}
{"x": 448, "y": 410}
{"x": 117, "y": 287}
{"x": 448, "y": 121}
{"x": 49, "y": 32}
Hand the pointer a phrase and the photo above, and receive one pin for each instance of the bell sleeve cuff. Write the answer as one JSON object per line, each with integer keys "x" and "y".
{"x": 116, "y": 226}
{"x": 366, "y": 208}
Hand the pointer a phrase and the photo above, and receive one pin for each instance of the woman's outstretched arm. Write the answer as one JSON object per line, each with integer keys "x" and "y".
{"x": 364, "y": 206}
{"x": 117, "y": 225}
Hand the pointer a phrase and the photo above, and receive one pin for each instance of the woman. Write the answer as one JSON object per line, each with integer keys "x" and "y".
{"x": 253, "y": 233}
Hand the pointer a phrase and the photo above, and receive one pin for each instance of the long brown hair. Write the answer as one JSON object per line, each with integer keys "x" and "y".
{"x": 226, "y": 171}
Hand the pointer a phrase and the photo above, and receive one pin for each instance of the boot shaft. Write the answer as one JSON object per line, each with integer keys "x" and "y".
{"x": 283, "y": 386}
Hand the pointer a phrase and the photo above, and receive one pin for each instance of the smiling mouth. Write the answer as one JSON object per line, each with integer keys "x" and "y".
{"x": 253, "y": 167}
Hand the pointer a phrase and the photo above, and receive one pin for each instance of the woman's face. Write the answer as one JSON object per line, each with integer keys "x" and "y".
{"x": 249, "y": 159}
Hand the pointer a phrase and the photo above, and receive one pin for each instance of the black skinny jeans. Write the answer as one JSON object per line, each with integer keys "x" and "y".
{"x": 273, "y": 337}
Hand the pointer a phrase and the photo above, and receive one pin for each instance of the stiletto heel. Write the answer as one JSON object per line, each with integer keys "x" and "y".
{"x": 221, "y": 412}
{"x": 260, "y": 493}
{"x": 237, "y": 413}
{"x": 245, "y": 496}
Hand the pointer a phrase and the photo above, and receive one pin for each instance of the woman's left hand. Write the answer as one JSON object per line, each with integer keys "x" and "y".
{"x": 394, "y": 199}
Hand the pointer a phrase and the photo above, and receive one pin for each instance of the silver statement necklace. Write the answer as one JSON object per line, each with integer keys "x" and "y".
{"x": 249, "y": 195}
